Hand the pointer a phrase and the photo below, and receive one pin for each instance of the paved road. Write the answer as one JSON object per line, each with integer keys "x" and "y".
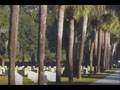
{"x": 112, "y": 79}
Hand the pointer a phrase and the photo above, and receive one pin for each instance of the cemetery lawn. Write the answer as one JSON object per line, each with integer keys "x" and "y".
{"x": 86, "y": 80}
{"x": 4, "y": 81}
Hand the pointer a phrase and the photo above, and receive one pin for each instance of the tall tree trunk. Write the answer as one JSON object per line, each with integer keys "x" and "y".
{"x": 91, "y": 57}
{"x": 109, "y": 51}
{"x": 3, "y": 62}
{"x": 113, "y": 52}
{"x": 92, "y": 50}
{"x": 99, "y": 50}
{"x": 41, "y": 42}
{"x": 106, "y": 61}
{"x": 95, "y": 51}
{"x": 75, "y": 55}
{"x": 59, "y": 43}
{"x": 105, "y": 50}
{"x": 70, "y": 52}
{"x": 107, "y": 56}
{"x": 84, "y": 30}
{"x": 12, "y": 47}
{"x": 102, "y": 54}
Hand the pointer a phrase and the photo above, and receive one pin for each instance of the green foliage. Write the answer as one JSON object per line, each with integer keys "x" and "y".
{"x": 4, "y": 17}
{"x": 28, "y": 30}
{"x": 2, "y": 48}
{"x": 109, "y": 21}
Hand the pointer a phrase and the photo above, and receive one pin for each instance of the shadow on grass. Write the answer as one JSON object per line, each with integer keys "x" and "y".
{"x": 71, "y": 83}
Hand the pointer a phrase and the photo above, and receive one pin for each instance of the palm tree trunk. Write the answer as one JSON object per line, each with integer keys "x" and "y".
{"x": 109, "y": 51}
{"x": 41, "y": 42}
{"x": 84, "y": 30}
{"x": 70, "y": 52}
{"x": 91, "y": 57}
{"x": 102, "y": 54}
{"x": 99, "y": 50}
{"x": 113, "y": 52}
{"x": 75, "y": 55}
{"x": 92, "y": 50}
{"x": 59, "y": 43}
{"x": 12, "y": 45}
{"x": 95, "y": 51}
{"x": 106, "y": 51}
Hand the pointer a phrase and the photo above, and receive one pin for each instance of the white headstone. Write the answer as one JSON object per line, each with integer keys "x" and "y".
{"x": 62, "y": 70}
{"x": 26, "y": 70}
{"x": 53, "y": 77}
{"x": 29, "y": 75}
{"x": 50, "y": 76}
{"x": 35, "y": 77}
{"x": 18, "y": 79}
{"x": 0, "y": 71}
{"x": 45, "y": 80}
{"x": 3, "y": 69}
{"x": 85, "y": 71}
{"x": 88, "y": 68}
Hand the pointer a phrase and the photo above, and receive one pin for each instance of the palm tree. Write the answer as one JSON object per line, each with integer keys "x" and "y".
{"x": 84, "y": 30}
{"x": 86, "y": 9}
{"x": 95, "y": 14}
{"x": 59, "y": 42}
{"x": 41, "y": 42}
{"x": 70, "y": 14}
{"x": 109, "y": 22}
{"x": 74, "y": 12}
{"x": 12, "y": 45}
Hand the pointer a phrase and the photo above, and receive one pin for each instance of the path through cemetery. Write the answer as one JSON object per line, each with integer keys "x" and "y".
{"x": 112, "y": 79}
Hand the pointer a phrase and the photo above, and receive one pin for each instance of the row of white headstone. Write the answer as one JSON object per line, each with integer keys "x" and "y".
{"x": 48, "y": 76}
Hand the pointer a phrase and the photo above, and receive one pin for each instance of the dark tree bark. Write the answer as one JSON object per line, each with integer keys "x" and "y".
{"x": 70, "y": 52}
{"x": 84, "y": 29}
{"x": 95, "y": 51}
{"x": 75, "y": 55}
{"x": 59, "y": 42}
{"x": 41, "y": 42}
{"x": 12, "y": 45}
{"x": 102, "y": 54}
{"x": 92, "y": 50}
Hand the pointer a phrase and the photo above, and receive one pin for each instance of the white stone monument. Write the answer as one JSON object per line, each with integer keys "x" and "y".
{"x": 18, "y": 79}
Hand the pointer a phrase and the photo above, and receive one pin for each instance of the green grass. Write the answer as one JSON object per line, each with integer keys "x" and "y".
{"x": 86, "y": 80}
{"x": 4, "y": 81}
